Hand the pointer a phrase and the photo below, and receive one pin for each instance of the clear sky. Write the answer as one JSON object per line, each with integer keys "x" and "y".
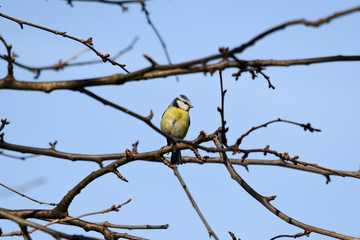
{"x": 326, "y": 95}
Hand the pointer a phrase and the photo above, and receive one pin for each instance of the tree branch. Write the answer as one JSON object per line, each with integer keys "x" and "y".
{"x": 66, "y": 63}
{"x": 163, "y": 71}
{"x": 193, "y": 203}
{"x": 54, "y": 233}
{"x": 149, "y": 156}
{"x": 265, "y": 201}
{"x": 23, "y": 195}
{"x": 88, "y": 43}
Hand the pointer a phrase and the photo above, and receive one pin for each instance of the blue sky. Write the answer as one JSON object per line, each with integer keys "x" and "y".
{"x": 326, "y": 95}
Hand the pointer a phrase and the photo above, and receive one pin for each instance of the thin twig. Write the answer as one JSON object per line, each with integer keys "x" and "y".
{"x": 147, "y": 15}
{"x": 4, "y": 122}
{"x": 305, "y": 233}
{"x": 305, "y": 22}
{"x": 23, "y": 195}
{"x": 9, "y": 58}
{"x": 88, "y": 43}
{"x": 304, "y": 126}
{"x": 58, "y": 66}
{"x": 131, "y": 227}
{"x": 221, "y": 111}
{"x": 210, "y": 231}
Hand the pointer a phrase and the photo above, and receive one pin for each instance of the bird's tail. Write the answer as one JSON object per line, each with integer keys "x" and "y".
{"x": 176, "y": 158}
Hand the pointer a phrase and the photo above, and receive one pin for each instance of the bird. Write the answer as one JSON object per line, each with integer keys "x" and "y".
{"x": 175, "y": 121}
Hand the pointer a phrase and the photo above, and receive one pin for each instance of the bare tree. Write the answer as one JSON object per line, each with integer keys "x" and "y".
{"x": 216, "y": 144}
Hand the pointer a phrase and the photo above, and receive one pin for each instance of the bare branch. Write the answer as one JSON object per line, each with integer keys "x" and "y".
{"x": 120, "y": 3}
{"x": 305, "y": 22}
{"x": 54, "y": 233}
{"x": 67, "y": 63}
{"x": 130, "y": 227}
{"x": 147, "y": 15}
{"x": 304, "y": 126}
{"x": 162, "y": 71}
{"x": 305, "y": 233}
{"x": 88, "y": 43}
{"x": 149, "y": 156}
{"x": 177, "y": 174}
{"x": 221, "y": 111}
{"x": 265, "y": 201}
{"x": 4, "y": 122}
{"x": 23, "y": 195}
{"x": 10, "y": 58}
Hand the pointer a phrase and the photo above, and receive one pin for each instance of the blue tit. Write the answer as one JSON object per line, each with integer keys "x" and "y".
{"x": 175, "y": 121}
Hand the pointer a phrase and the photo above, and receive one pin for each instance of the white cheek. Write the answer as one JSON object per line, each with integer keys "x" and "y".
{"x": 182, "y": 105}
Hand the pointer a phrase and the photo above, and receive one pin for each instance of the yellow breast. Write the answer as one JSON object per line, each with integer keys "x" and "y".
{"x": 175, "y": 122}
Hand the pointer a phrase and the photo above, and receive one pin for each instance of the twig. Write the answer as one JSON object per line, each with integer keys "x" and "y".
{"x": 232, "y": 235}
{"x": 305, "y": 233}
{"x": 17, "y": 157}
{"x": 88, "y": 43}
{"x": 107, "y": 2}
{"x": 130, "y": 227}
{"x": 221, "y": 111}
{"x": 304, "y": 126}
{"x": 9, "y": 58}
{"x": 62, "y": 64}
{"x": 259, "y": 70}
{"x": 117, "y": 173}
{"x": 4, "y": 122}
{"x": 305, "y": 22}
{"x": 23, "y": 195}
{"x": 210, "y": 231}
{"x": 147, "y": 15}
{"x": 38, "y": 70}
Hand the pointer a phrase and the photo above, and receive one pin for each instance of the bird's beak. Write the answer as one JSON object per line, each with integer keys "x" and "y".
{"x": 191, "y": 106}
